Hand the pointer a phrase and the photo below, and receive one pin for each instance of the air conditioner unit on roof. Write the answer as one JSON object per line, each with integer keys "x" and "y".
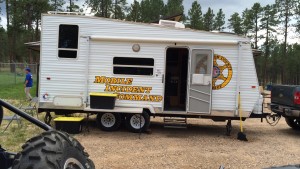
{"x": 173, "y": 24}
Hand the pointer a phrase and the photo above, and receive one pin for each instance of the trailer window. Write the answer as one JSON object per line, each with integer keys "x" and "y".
{"x": 133, "y": 66}
{"x": 68, "y": 41}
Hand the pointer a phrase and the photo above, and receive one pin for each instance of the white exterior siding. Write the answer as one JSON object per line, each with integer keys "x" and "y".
{"x": 101, "y": 60}
{"x": 95, "y": 58}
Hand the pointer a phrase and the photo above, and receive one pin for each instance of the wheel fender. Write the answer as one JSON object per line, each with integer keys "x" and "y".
{"x": 150, "y": 108}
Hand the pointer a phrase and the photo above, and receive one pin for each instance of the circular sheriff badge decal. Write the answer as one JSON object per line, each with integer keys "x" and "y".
{"x": 222, "y": 72}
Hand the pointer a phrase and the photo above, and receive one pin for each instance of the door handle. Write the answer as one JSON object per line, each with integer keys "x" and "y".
{"x": 163, "y": 78}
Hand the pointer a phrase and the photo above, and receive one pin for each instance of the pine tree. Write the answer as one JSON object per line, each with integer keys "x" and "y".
{"x": 208, "y": 19}
{"x": 119, "y": 9}
{"x": 134, "y": 12}
{"x": 256, "y": 14}
{"x": 195, "y": 16}
{"x": 72, "y": 7}
{"x": 219, "y": 21}
{"x": 102, "y": 8}
{"x": 298, "y": 17}
{"x": 152, "y": 10}
{"x": 57, "y": 5}
{"x": 174, "y": 7}
{"x": 248, "y": 21}
{"x": 0, "y": 14}
{"x": 235, "y": 23}
{"x": 287, "y": 9}
{"x": 268, "y": 21}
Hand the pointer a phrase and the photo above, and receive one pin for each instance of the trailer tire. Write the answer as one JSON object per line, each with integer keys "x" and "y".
{"x": 133, "y": 122}
{"x": 293, "y": 123}
{"x": 52, "y": 149}
{"x": 109, "y": 121}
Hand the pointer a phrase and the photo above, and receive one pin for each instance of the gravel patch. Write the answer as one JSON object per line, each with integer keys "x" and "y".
{"x": 202, "y": 145}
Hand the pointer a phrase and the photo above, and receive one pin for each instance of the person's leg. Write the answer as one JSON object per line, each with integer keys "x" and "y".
{"x": 28, "y": 93}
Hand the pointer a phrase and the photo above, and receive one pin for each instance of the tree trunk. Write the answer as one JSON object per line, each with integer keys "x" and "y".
{"x": 102, "y": 8}
{"x": 115, "y": 9}
{"x": 70, "y": 5}
{"x": 9, "y": 50}
{"x": 55, "y": 5}
{"x": 14, "y": 31}
{"x": 285, "y": 57}
{"x": 256, "y": 31}
{"x": 37, "y": 38}
{"x": 266, "y": 54}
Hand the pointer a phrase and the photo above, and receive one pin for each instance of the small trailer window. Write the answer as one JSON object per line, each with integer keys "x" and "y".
{"x": 133, "y": 66}
{"x": 68, "y": 41}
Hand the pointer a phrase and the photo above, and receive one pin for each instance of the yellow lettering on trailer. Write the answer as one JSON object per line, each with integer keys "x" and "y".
{"x": 122, "y": 86}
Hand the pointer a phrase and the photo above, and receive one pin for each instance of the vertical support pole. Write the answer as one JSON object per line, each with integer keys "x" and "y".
{"x": 87, "y": 70}
{"x": 15, "y": 71}
{"x": 238, "y": 79}
{"x": 37, "y": 79}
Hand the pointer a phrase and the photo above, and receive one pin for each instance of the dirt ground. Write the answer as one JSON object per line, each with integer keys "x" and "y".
{"x": 202, "y": 145}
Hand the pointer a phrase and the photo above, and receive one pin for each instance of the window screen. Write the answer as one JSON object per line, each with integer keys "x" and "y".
{"x": 68, "y": 41}
{"x": 133, "y": 66}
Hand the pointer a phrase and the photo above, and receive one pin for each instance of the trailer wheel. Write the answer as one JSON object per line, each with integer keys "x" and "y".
{"x": 52, "y": 149}
{"x": 138, "y": 122}
{"x": 109, "y": 121}
{"x": 293, "y": 123}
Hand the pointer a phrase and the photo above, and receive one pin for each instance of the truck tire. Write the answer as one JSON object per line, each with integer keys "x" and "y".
{"x": 293, "y": 123}
{"x": 109, "y": 121}
{"x": 138, "y": 122}
{"x": 52, "y": 149}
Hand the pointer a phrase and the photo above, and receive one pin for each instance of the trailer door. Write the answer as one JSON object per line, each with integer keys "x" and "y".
{"x": 200, "y": 81}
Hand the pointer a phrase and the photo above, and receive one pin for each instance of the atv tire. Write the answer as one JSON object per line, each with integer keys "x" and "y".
{"x": 52, "y": 150}
{"x": 293, "y": 123}
{"x": 1, "y": 114}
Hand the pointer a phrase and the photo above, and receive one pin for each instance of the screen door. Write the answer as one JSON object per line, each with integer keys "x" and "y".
{"x": 200, "y": 88}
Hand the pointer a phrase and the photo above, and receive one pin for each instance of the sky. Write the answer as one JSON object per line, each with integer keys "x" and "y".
{"x": 228, "y": 7}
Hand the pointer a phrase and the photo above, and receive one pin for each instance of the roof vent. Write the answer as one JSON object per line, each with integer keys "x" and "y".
{"x": 173, "y": 24}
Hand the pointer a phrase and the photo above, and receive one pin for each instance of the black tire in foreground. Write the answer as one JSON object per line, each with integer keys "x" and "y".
{"x": 138, "y": 122}
{"x": 109, "y": 121}
{"x": 52, "y": 150}
{"x": 293, "y": 123}
{"x": 1, "y": 114}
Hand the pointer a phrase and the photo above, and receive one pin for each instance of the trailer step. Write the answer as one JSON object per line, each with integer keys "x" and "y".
{"x": 175, "y": 122}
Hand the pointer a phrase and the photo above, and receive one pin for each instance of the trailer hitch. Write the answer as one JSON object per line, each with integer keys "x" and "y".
{"x": 273, "y": 118}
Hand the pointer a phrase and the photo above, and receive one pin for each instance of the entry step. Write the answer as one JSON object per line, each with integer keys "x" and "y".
{"x": 175, "y": 122}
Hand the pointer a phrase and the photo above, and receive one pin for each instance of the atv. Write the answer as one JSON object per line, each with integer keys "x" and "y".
{"x": 52, "y": 149}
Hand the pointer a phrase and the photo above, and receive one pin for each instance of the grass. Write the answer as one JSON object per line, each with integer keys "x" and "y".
{"x": 15, "y": 136}
{"x": 11, "y": 90}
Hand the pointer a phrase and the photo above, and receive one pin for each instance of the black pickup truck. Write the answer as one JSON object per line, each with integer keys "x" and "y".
{"x": 285, "y": 101}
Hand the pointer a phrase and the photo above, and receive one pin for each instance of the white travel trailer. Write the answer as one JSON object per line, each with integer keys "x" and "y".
{"x": 155, "y": 70}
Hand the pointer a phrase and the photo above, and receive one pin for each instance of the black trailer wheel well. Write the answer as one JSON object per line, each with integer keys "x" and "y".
{"x": 147, "y": 111}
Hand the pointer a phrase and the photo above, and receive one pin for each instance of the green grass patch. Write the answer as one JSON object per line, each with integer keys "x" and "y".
{"x": 12, "y": 87}
{"x": 15, "y": 91}
{"x": 7, "y": 78}
{"x": 16, "y": 135}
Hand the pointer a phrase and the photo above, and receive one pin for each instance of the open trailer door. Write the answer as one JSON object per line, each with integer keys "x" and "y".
{"x": 200, "y": 83}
